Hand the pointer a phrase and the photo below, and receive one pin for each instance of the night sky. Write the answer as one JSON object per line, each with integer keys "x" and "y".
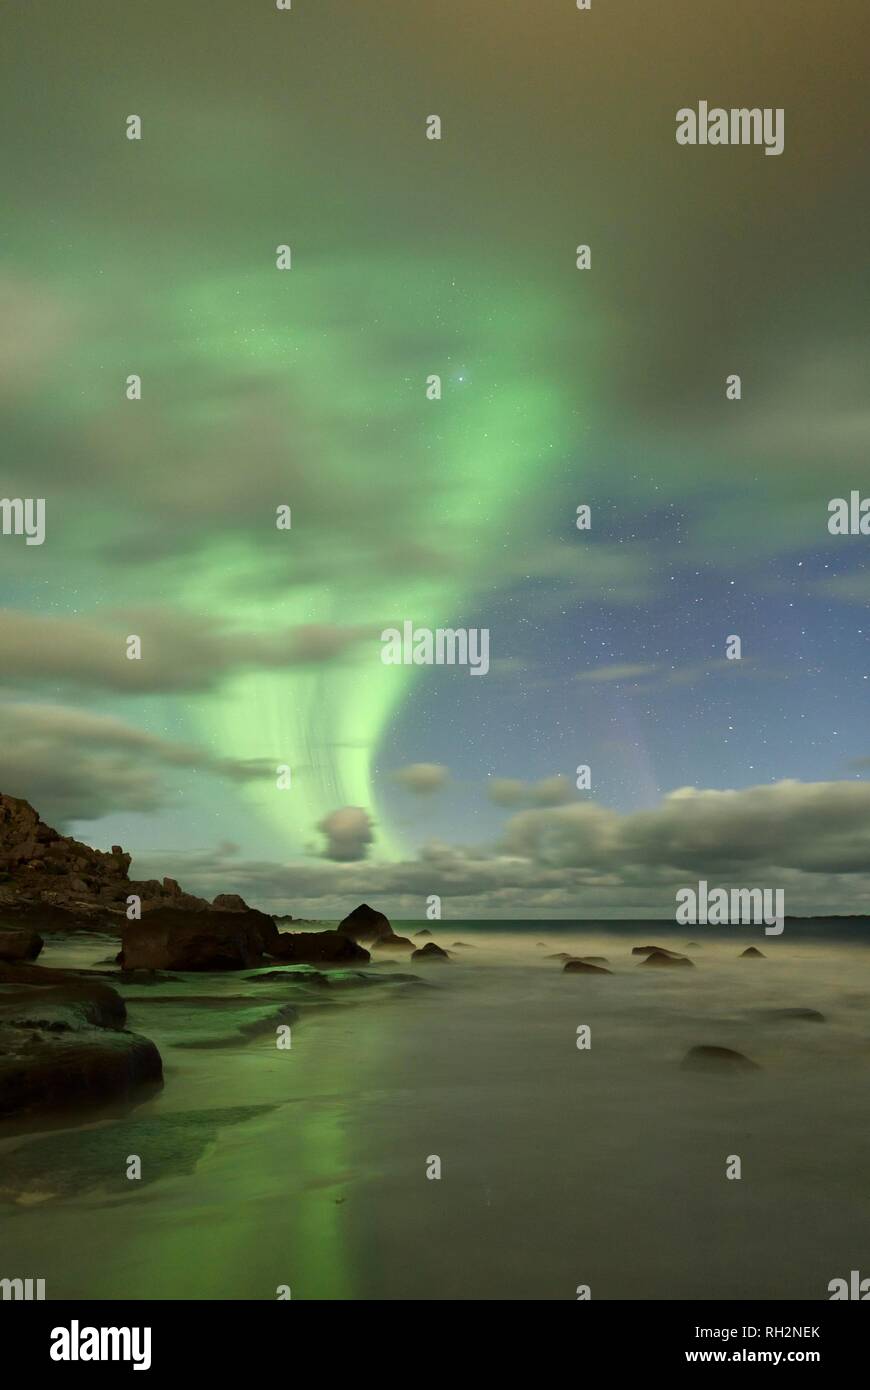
{"x": 560, "y": 387}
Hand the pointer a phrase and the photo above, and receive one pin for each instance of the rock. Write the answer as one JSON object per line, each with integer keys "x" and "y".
{"x": 802, "y": 1015}
{"x": 561, "y": 955}
{"x": 595, "y": 960}
{"x": 583, "y": 967}
{"x": 430, "y": 952}
{"x": 466, "y": 944}
{"x": 422, "y": 933}
{"x": 52, "y": 882}
{"x": 717, "y": 1059}
{"x": 62, "y": 1044}
{"x": 752, "y": 951}
{"x": 392, "y": 942}
{"x": 20, "y": 945}
{"x": 666, "y": 958}
{"x": 319, "y": 947}
{"x": 365, "y": 924}
{"x": 660, "y": 950}
{"x": 229, "y": 902}
{"x": 59, "y": 1003}
{"x": 693, "y": 945}
{"x": 176, "y": 939}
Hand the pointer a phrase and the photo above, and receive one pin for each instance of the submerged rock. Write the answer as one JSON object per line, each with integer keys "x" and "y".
{"x": 666, "y": 958}
{"x": 62, "y": 1044}
{"x": 319, "y": 947}
{"x": 430, "y": 952}
{"x": 799, "y": 1015}
{"x": 752, "y": 951}
{"x": 20, "y": 945}
{"x": 424, "y": 932}
{"x": 706, "y": 1058}
{"x": 659, "y": 950}
{"x": 365, "y": 924}
{"x": 583, "y": 967}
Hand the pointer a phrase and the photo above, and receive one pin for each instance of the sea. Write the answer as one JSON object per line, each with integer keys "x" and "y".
{"x": 487, "y": 1127}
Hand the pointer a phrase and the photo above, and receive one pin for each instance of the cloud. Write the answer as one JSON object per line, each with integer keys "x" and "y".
{"x": 817, "y": 827}
{"x": 180, "y": 651}
{"x": 616, "y": 673}
{"x": 422, "y": 778}
{"x": 510, "y": 791}
{"x": 348, "y": 834}
{"x": 584, "y": 860}
{"x": 73, "y": 765}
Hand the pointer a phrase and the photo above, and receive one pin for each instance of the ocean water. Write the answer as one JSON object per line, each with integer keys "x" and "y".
{"x": 605, "y": 1167}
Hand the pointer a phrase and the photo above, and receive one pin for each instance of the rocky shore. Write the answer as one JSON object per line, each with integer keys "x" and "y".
{"x": 63, "y": 1041}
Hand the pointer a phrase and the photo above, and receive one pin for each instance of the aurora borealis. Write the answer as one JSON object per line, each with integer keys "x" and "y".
{"x": 561, "y": 387}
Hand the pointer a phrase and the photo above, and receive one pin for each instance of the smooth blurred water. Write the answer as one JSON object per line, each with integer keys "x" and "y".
{"x": 559, "y": 1167}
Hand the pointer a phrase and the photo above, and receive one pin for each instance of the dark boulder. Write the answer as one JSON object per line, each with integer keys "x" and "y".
{"x": 365, "y": 924}
{"x": 392, "y": 942}
{"x": 20, "y": 945}
{"x": 798, "y": 1015}
{"x": 318, "y": 947}
{"x": 178, "y": 939}
{"x": 424, "y": 932}
{"x": 660, "y": 958}
{"x": 723, "y": 1059}
{"x": 583, "y": 967}
{"x": 752, "y": 951}
{"x": 430, "y": 952}
{"x": 660, "y": 950}
{"x": 63, "y": 1045}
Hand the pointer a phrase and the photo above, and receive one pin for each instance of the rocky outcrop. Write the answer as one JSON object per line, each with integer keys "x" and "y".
{"x": 56, "y": 883}
{"x": 175, "y": 939}
{"x": 583, "y": 967}
{"x": 63, "y": 1044}
{"x": 229, "y": 902}
{"x": 430, "y": 952}
{"x": 752, "y": 951}
{"x": 365, "y": 924}
{"x": 20, "y": 945}
{"x": 318, "y": 947}
{"x": 717, "y": 1059}
{"x": 424, "y": 932}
